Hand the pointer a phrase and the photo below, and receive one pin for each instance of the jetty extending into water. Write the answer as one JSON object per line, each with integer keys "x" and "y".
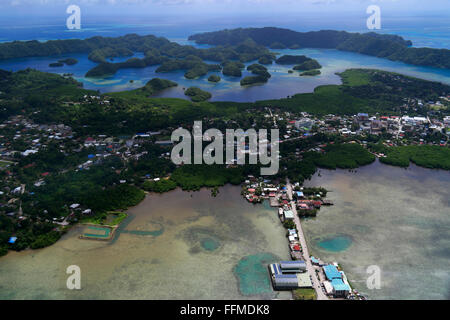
{"x": 309, "y": 267}
{"x": 317, "y": 280}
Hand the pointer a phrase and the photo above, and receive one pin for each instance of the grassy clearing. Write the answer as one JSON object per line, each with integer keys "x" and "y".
{"x": 110, "y": 219}
{"x": 304, "y": 294}
{"x": 355, "y": 78}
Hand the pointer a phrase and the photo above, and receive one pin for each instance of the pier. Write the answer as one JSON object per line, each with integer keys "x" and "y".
{"x": 309, "y": 267}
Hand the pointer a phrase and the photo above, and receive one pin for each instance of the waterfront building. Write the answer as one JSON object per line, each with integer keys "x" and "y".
{"x": 283, "y": 281}
{"x": 297, "y": 266}
{"x": 334, "y": 277}
{"x": 288, "y": 215}
{"x": 328, "y": 288}
{"x": 340, "y": 289}
{"x": 331, "y": 272}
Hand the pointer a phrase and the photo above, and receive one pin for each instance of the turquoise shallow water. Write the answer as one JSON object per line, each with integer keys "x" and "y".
{"x": 252, "y": 274}
{"x": 210, "y": 244}
{"x": 335, "y": 244}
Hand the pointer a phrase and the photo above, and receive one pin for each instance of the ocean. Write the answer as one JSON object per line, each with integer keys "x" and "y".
{"x": 423, "y": 31}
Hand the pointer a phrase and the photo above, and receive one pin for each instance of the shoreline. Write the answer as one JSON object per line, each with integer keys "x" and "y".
{"x": 342, "y": 171}
{"x": 411, "y": 166}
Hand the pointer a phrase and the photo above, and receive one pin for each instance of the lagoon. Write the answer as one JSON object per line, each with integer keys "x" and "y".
{"x": 179, "y": 245}
{"x": 336, "y": 244}
{"x": 281, "y": 84}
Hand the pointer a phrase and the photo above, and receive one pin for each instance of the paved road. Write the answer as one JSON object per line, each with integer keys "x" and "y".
{"x": 309, "y": 267}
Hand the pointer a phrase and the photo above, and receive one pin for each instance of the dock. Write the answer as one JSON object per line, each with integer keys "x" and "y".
{"x": 274, "y": 202}
{"x": 309, "y": 267}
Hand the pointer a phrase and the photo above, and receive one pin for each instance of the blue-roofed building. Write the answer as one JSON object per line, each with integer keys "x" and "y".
{"x": 291, "y": 281}
{"x": 289, "y": 275}
{"x": 340, "y": 289}
{"x": 285, "y": 281}
{"x": 274, "y": 269}
{"x": 12, "y": 240}
{"x": 295, "y": 266}
{"x": 331, "y": 272}
{"x": 90, "y": 156}
{"x": 300, "y": 194}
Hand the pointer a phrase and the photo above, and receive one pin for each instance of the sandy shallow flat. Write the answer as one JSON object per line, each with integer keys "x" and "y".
{"x": 173, "y": 246}
{"x": 396, "y": 219}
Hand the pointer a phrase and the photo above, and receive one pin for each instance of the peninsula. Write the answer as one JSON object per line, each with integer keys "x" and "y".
{"x": 391, "y": 47}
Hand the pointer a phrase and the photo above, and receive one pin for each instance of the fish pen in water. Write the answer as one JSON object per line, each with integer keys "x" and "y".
{"x": 102, "y": 233}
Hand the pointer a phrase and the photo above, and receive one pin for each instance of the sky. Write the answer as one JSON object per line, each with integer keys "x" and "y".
{"x": 194, "y": 15}
{"x": 222, "y": 7}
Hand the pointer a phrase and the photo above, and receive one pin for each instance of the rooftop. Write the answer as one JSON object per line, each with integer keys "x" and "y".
{"x": 332, "y": 272}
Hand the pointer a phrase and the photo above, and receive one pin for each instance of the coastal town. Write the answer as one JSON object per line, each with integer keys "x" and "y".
{"x": 22, "y": 141}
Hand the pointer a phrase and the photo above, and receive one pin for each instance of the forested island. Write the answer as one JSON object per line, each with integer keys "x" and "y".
{"x": 157, "y": 51}
{"x": 233, "y": 68}
{"x": 69, "y": 61}
{"x": 233, "y": 47}
{"x": 261, "y": 75}
{"x": 60, "y": 63}
{"x": 151, "y": 87}
{"x": 214, "y": 78}
{"x": 309, "y": 64}
{"x": 310, "y": 73}
{"x": 289, "y": 59}
{"x": 391, "y": 47}
{"x": 197, "y": 94}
